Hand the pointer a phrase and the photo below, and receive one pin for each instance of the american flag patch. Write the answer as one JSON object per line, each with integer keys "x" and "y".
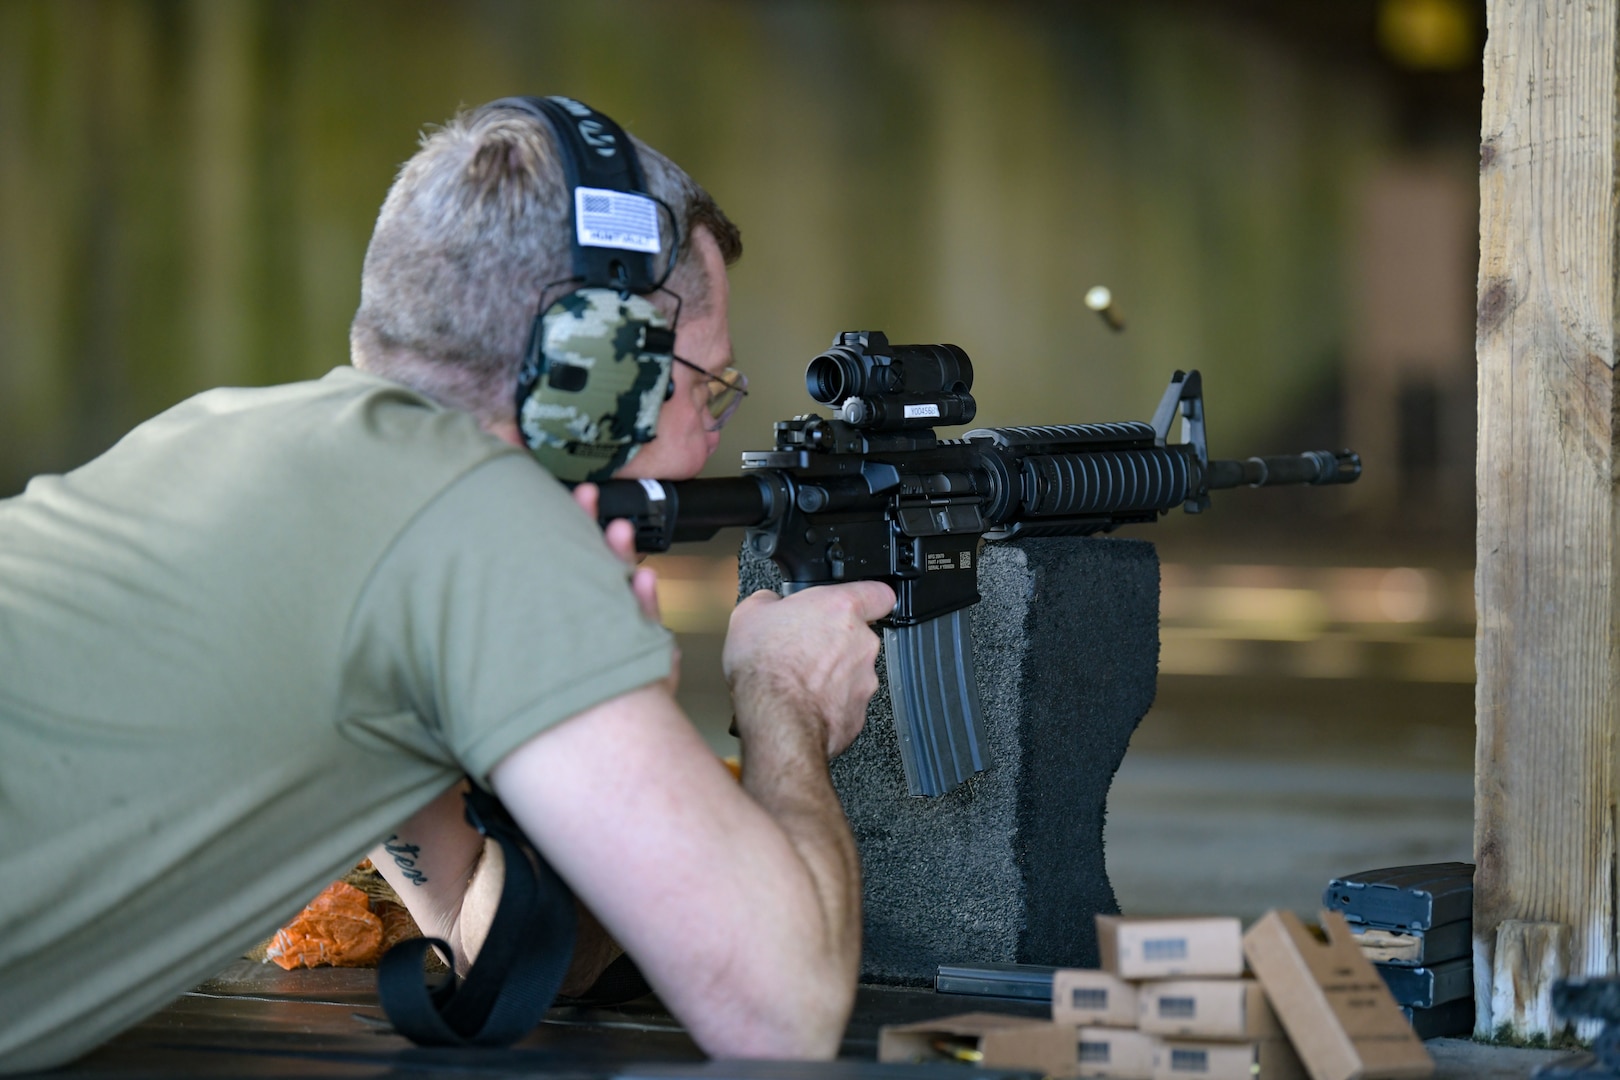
{"x": 616, "y": 219}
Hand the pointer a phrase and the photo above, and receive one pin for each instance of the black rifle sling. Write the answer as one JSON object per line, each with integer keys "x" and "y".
{"x": 519, "y": 969}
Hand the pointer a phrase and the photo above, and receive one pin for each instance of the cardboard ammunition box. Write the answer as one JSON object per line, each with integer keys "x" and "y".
{"x": 1207, "y": 1009}
{"x": 1122, "y": 1053}
{"x": 1170, "y": 948}
{"x": 992, "y": 1040}
{"x": 1092, "y": 997}
{"x": 1261, "y": 1059}
{"x": 1336, "y": 1010}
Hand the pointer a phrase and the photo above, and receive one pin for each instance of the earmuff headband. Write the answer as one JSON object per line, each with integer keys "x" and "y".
{"x": 616, "y": 239}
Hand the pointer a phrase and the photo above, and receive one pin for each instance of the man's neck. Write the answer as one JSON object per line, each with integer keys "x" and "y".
{"x": 504, "y": 429}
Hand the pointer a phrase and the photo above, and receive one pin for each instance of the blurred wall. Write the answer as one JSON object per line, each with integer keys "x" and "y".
{"x": 187, "y": 188}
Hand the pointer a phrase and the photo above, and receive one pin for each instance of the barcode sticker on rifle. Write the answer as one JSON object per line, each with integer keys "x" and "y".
{"x": 616, "y": 219}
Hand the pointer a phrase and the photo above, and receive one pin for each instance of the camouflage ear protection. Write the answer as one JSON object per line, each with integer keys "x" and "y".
{"x": 597, "y": 368}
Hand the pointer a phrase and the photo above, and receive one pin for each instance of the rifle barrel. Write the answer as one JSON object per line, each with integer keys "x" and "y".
{"x": 1312, "y": 467}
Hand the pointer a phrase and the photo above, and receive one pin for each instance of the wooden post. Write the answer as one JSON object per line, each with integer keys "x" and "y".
{"x": 1546, "y": 585}
{"x": 1530, "y": 957}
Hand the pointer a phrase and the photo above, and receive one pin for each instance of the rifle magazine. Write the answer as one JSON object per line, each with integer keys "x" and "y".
{"x": 935, "y": 694}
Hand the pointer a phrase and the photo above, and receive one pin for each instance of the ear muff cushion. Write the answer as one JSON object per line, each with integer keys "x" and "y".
{"x": 599, "y": 387}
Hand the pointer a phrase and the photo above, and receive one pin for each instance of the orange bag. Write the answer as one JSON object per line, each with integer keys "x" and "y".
{"x": 336, "y": 928}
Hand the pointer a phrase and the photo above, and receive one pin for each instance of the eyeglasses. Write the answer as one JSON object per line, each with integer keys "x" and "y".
{"x": 726, "y": 391}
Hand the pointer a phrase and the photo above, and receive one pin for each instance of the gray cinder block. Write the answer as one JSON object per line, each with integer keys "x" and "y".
{"x": 1008, "y": 868}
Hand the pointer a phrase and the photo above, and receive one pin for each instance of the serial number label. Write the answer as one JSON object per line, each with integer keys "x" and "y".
{"x": 945, "y": 560}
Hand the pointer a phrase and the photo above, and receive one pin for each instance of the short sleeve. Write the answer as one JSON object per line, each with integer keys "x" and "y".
{"x": 497, "y": 613}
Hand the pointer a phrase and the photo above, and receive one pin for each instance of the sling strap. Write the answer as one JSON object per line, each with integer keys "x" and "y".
{"x": 518, "y": 971}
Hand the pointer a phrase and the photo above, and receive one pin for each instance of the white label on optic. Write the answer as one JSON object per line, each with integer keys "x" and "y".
{"x": 921, "y": 410}
{"x": 616, "y": 219}
{"x": 654, "y": 490}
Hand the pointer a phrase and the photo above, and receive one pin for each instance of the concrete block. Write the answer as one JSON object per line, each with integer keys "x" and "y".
{"x": 1009, "y": 868}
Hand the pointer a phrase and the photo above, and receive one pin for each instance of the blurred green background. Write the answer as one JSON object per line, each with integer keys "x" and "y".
{"x": 187, "y": 188}
{"x": 1280, "y": 194}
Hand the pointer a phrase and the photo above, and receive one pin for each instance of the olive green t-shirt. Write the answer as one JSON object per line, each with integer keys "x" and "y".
{"x": 242, "y": 646}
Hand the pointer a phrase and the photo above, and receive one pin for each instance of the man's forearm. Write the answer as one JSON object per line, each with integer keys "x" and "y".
{"x": 451, "y": 882}
{"x": 431, "y": 861}
{"x": 785, "y": 771}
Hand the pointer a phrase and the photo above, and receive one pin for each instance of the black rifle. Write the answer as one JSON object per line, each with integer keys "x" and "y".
{"x": 873, "y": 493}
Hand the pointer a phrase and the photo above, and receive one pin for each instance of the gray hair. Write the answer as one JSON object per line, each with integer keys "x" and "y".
{"x": 473, "y": 231}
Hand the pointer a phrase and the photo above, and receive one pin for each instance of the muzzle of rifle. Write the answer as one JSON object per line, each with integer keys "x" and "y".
{"x": 1312, "y": 467}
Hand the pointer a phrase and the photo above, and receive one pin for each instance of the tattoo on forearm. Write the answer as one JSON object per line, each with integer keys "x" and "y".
{"x": 405, "y": 856}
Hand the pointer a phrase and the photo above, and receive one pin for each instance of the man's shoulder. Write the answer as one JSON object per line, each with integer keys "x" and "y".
{"x": 349, "y": 457}
{"x": 346, "y": 424}
{"x": 341, "y": 399}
